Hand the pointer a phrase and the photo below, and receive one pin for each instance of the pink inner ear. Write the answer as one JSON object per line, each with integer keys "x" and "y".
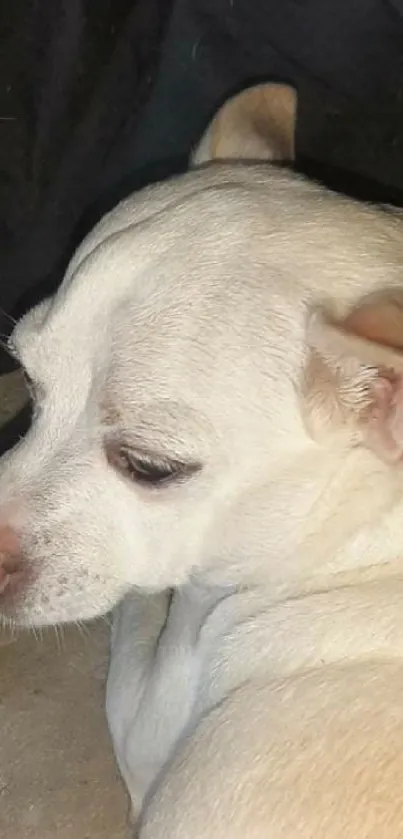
{"x": 381, "y": 322}
{"x": 384, "y": 422}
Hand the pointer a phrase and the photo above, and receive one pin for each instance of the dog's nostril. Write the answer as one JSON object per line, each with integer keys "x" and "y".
{"x": 10, "y": 545}
{"x": 10, "y": 570}
{"x": 10, "y": 556}
{"x": 10, "y": 565}
{"x": 5, "y": 578}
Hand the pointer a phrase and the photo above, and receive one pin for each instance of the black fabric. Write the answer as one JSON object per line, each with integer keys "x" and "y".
{"x": 345, "y": 57}
{"x": 72, "y": 73}
{"x": 99, "y": 97}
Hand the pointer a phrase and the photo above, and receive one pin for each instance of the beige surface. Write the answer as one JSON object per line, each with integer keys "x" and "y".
{"x": 57, "y": 773}
{"x": 12, "y": 395}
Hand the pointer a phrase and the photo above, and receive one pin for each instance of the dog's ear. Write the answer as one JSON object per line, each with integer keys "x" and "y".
{"x": 257, "y": 124}
{"x": 353, "y": 377}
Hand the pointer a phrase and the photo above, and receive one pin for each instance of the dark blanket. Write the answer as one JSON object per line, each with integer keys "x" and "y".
{"x": 99, "y": 97}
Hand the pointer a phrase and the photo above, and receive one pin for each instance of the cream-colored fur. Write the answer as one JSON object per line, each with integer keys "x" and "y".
{"x": 218, "y": 445}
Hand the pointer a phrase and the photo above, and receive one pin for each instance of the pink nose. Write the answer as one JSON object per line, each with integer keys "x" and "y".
{"x": 10, "y": 555}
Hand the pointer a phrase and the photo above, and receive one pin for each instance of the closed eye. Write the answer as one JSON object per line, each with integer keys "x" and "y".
{"x": 148, "y": 469}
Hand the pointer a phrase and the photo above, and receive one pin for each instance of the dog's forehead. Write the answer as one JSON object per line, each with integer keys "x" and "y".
{"x": 182, "y": 313}
{"x": 179, "y": 270}
{"x": 191, "y": 296}
{"x": 224, "y": 244}
{"x": 196, "y": 367}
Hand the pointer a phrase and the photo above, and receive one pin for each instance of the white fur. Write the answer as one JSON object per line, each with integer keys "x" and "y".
{"x": 263, "y": 698}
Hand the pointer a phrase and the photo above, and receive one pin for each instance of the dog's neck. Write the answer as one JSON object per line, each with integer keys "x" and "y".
{"x": 242, "y": 634}
{"x": 340, "y": 532}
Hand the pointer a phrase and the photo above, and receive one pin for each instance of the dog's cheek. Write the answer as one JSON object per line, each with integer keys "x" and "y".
{"x": 87, "y": 542}
{"x": 75, "y": 561}
{"x": 54, "y": 593}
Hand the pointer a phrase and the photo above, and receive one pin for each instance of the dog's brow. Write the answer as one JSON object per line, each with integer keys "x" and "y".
{"x": 162, "y": 442}
{"x": 157, "y": 445}
{"x": 110, "y": 416}
{"x": 168, "y": 427}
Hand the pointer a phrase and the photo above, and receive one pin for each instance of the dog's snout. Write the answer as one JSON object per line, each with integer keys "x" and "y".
{"x": 10, "y": 555}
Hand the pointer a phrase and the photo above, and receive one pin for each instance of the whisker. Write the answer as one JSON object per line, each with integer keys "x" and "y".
{"x": 9, "y": 626}
{"x": 34, "y": 630}
{"x": 60, "y": 646}
{"x": 4, "y": 345}
{"x": 62, "y": 637}
{"x": 83, "y": 629}
{"x": 9, "y": 317}
{"x": 9, "y": 349}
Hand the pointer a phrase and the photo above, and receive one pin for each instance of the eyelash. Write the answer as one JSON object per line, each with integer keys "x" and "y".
{"x": 147, "y": 470}
{"x": 143, "y": 470}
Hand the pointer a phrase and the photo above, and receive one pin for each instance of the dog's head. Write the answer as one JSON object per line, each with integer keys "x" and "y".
{"x": 217, "y": 388}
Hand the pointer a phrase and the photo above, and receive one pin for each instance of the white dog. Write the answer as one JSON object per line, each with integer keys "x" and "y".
{"x": 218, "y": 440}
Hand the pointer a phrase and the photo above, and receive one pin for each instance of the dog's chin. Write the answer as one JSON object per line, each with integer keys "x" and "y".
{"x": 34, "y": 604}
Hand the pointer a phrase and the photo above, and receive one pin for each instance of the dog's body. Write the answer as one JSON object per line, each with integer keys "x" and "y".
{"x": 227, "y": 422}
{"x": 265, "y": 721}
